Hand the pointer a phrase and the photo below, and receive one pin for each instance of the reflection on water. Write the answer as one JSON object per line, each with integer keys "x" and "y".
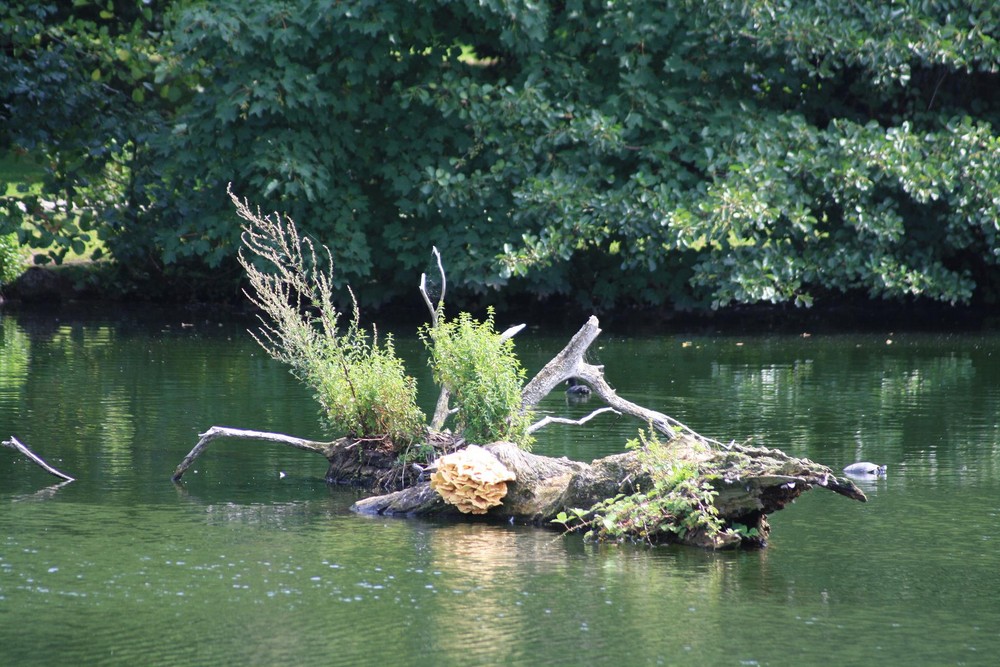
{"x": 15, "y": 352}
{"x": 41, "y": 494}
{"x": 240, "y": 565}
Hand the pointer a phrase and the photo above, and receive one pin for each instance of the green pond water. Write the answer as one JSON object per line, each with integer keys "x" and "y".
{"x": 241, "y": 565}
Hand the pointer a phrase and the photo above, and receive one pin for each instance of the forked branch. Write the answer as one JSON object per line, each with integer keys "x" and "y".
{"x": 570, "y": 363}
{"x": 441, "y": 411}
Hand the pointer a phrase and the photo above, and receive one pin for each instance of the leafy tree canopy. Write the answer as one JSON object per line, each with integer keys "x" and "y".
{"x": 683, "y": 152}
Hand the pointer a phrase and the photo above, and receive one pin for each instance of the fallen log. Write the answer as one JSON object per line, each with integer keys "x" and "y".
{"x": 746, "y": 483}
{"x": 757, "y": 482}
{"x": 686, "y": 488}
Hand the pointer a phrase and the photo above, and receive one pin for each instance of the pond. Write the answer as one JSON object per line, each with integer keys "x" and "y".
{"x": 254, "y": 560}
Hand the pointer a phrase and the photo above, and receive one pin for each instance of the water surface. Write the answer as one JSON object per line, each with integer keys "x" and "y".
{"x": 239, "y": 565}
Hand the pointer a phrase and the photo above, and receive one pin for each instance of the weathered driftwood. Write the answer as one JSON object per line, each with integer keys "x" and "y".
{"x": 549, "y": 419}
{"x": 350, "y": 460}
{"x": 327, "y": 449}
{"x": 15, "y": 444}
{"x": 569, "y": 363}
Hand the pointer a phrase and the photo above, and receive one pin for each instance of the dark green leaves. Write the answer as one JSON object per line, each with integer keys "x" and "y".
{"x": 685, "y": 152}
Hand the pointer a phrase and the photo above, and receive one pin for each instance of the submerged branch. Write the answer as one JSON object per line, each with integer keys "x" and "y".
{"x": 326, "y": 449}
{"x": 14, "y": 443}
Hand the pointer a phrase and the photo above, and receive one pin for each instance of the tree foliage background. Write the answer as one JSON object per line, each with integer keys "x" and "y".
{"x": 681, "y": 152}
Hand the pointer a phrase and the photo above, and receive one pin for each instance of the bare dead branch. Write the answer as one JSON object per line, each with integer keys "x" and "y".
{"x": 15, "y": 444}
{"x": 444, "y": 279}
{"x": 326, "y": 449}
{"x": 427, "y": 298}
{"x": 441, "y": 411}
{"x": 444, "y": 286}
{"x": 548, "y": 419}
{"x": 569, "y": 363}
{"x": 562, "y": 366}
{"x": 512, "y": 331}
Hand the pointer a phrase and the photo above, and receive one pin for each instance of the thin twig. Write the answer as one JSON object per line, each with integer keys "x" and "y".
{"x": 545, "y": 421}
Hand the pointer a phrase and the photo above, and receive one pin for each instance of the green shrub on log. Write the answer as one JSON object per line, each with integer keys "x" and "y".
{"x": 361, "y": 384}
{"x": 681, "y": 499}
{"x": 482, "y": 372}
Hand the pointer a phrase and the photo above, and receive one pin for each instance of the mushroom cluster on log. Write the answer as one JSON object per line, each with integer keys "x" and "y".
{"x": 471, "y": 479}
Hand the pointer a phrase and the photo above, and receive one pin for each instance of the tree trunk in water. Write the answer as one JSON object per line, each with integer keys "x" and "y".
{"x": 759, "y": 481}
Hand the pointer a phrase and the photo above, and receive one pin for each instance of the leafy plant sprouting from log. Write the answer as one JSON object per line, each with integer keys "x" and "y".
{"x": 360, "y": 382}
{"x": 479, "y": 368}
{"x": 680, "y": 501}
